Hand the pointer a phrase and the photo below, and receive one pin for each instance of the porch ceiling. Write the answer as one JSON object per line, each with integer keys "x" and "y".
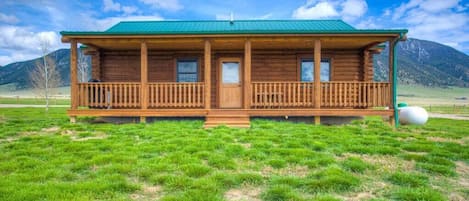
{"x": 235, "y": 43}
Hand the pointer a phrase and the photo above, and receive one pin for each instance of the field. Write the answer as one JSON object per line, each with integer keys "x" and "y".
{"x": 426, "y": 96}
{"x": 43, "y": 157}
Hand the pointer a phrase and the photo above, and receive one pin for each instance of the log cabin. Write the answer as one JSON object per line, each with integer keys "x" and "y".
{"x": 228, "y": 71}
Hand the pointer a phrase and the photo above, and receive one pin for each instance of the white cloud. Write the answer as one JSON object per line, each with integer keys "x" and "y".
{"x": 20, "y": 43}
{"x": 228, "y": 17}
{"x": 266, "y": 16}
{"x": 172, "y": 5}
{"x": 349, "y": 10}
{"x": 441, "y": 21}
{"x": 369, "y": 23}
{"x": 316, "y": 11}
{"x": 10, "y": 19}
{"x": 438, "y": 5}
{"x": 128, "y": 10}
{"x": 352, "y": 9}
{"x": 106, "y": 23}
{"x": 109, "y": 5}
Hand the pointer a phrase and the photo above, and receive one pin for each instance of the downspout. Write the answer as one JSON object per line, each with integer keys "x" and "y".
{"x": 394, "y": 81}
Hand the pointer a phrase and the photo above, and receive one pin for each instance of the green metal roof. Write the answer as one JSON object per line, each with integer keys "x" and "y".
{"x": 233, "y": 27}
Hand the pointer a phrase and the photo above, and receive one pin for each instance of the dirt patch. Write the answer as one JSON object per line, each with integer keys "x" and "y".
{"x": 75, "y": 136}
{"x": 456, "y": 197}
{"x": 243, "y": 194}
{"x": 291, "y": 170}
{"x": 9, "y": 139}
{"x": 462, "y": 141}
{"x": 246, "y": 145}
{"x": 463, "y": 172}
{"x": 387, "y": 163}
{"x": 51, "y": 129}
{"x": 148, "y": 193}
{"x": 359, "y": 196}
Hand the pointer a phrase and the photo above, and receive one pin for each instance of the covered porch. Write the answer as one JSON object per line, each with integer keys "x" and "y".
{"x": 250, "y": 92}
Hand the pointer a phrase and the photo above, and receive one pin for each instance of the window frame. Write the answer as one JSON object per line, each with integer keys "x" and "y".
{"x": 190, "y": 59}
{"x": 300, "y": 72}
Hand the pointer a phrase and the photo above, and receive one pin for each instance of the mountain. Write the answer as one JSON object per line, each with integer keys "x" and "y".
{"x": 419, "y": 62}
{"x": 18, "y": 73}
{"x": 426, "y": 63}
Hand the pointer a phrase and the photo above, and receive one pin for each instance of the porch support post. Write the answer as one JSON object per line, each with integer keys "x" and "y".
{"x": 73, "y": 78}
{"x": 207, "y": 76}
{"x": 247, "y": 74}
{"x": 317, "y": 78}
{"x": 143, "y": 78}
{"x": 366, "y": 60}
{"x": 96, "y": 65}
{"x": 394, "y": 119}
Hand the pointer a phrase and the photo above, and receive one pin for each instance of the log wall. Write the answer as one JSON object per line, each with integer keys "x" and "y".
{"x": 124, "y": 66}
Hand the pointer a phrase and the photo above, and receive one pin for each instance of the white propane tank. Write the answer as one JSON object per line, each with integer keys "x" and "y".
{"x": 413, "y": 115}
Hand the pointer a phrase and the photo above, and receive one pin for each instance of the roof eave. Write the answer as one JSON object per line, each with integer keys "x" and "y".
{"x": 396, "y": 31}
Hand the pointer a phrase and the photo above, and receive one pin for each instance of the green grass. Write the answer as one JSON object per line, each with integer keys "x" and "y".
{"x": 449, "y": 109}
{"x": 355, "y": 164}
{"x": 43, "y": 157}
{"x": 408, "y": 179}
{"x": 34, "y": 101}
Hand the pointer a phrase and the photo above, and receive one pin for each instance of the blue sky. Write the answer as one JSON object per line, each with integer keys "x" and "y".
{"x": 23, "y": 23}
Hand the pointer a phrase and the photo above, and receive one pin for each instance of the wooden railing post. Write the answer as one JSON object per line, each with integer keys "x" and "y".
{"x": 207, "y": 76}
{"x": 73, "y": 78}
{"x": 247, "y": 74}
{"x": 143, "y": 78}
{"x": 317, "y": 78}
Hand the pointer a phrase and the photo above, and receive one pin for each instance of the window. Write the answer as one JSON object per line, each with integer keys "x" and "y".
{"x": 307, "y": 70}
{"x": 187, "y": 70}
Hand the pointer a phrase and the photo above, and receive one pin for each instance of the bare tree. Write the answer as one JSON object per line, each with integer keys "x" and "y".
{"x": 83, "y": 67}
{"x": 45, "y": 77}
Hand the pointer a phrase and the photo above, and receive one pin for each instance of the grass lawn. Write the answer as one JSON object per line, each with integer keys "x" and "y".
{"x": 34, "y": 101}
{"x": 43, "y": 157}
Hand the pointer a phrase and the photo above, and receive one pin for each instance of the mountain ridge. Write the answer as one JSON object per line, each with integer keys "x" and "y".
{"x": 420, "y": 62}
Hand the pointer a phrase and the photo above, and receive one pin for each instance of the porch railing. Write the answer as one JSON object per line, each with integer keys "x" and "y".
{"x": 109, "y": 95}
{"x": 264, "y": 95}
{"x": 333, "y": 94}
{"x": 282, "y": 94}
{"x": 176, "y": 95}
{"x": 355, "y": 94}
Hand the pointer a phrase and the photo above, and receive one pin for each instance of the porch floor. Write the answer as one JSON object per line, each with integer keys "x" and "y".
{"x": 229, "y": 117}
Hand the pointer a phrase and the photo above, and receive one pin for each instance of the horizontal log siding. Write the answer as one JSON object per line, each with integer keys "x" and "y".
{"x": 369, "y": 71}
{"x": 120, "y": 66}
{"x": 346, "y": 66}
{"x": 274, "y": 67}
{"x": 124, "y": 66}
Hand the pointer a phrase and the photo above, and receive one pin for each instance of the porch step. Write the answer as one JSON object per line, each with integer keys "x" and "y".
{"x": 229, "y": 118}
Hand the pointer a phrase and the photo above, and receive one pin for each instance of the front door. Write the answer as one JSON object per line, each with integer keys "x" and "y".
{"x": 230, "y": 83}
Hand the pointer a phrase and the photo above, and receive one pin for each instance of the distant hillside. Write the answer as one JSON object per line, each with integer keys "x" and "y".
{"x": 419, "y": 62}
{"x": 18, "y": 73}
{"x": 426, "y": 63}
